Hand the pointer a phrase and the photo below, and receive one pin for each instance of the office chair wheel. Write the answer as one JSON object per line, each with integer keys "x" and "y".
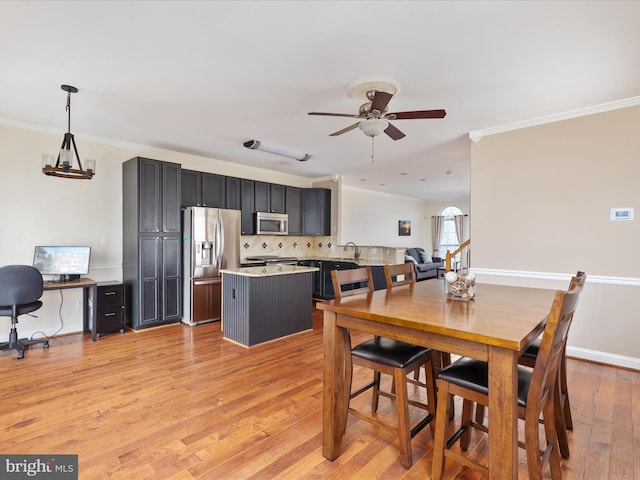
{"x": 20, "y": 355}
{"x": 45, "y": 344}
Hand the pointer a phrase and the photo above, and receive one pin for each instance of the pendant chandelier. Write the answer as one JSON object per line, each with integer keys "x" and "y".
{"x": 65, "y": 166}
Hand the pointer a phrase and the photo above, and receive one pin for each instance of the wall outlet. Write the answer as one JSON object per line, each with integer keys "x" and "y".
{"x": 104, "y": 241}
{"x": 374, "y": 250}
{"x": 78, "y": 304}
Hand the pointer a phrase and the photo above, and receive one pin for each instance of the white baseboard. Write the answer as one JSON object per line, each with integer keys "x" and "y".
{"x": 603, "y": 357}
{"x": 576, "y": 352}
{"x": 632, "y": 281}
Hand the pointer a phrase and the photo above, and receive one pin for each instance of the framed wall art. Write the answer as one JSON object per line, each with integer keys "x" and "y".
{"x": 404, "y": 228}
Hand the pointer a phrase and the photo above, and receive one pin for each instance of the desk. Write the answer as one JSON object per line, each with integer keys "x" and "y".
{"x": 89, "y": 289}
{"x": 495, "y": 327}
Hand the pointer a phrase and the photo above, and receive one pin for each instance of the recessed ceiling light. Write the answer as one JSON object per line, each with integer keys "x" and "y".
{"x": 423, "y": 179}
{"x": 363, "y": 179}
{"x": 403, "y": 173}
{"x": 382, "y": 184}
{"x": 448, "y": 173}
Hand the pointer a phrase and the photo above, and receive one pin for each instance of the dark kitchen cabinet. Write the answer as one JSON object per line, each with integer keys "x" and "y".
{"x": 202, "y": 189}
{"x": 293, "y": 208}
{"x": 233, "y": 193}
{"x": 269, "y": 197}
{"x": 152, "y": 242}
{"x": 309, "y": 209}
{"x": 213, "y": 190}
{"x": 316, "y": 211}
{"x": 247, "y": 207}
{"x": 154, "y": 188}
{"x": 278, "y": 193}
{"x": 191, "y": 188}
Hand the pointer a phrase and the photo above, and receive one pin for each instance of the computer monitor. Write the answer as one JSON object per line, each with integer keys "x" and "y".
{"x": 66, "y": 262}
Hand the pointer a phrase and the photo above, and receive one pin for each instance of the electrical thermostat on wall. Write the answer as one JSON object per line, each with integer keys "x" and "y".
{"x": 619, "y": 214}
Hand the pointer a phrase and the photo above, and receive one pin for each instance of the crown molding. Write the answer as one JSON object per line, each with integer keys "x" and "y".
{"x": 476, "y": 135}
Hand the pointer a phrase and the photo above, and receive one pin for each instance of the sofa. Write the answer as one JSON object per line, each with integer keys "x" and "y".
{"x": 425, "y": 265}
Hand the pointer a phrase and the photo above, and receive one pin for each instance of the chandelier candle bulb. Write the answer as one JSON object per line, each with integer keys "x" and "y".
{"x": 47, "y": 160}
{"x": 66, "y": 158}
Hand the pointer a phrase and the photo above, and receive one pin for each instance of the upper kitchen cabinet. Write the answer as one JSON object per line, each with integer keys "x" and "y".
{"x": 191, "y": 188}
{"x": 157, "y": 194}
{"x": 246, "y": 203}
{"x": 269, "y": 197}
{"x": 233, "y": 194}
{"x": 213, "y": 190}
{"x": 202, "y": 189}
{"x": 316, "y": 211}
{"x": 293, "y": 208}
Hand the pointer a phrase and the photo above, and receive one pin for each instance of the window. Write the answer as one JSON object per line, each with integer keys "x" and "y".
{"x": 449, "y": 238}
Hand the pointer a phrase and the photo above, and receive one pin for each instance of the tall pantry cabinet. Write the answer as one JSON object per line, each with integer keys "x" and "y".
{"x": 152, "y": 242}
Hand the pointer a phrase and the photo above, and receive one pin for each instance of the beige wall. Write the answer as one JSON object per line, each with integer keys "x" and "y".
{"x": 540, "y": 208}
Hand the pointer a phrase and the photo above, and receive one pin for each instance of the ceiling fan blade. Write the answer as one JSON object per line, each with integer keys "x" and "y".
{"x": 334, "y": 114}
{"x": 345, "y": 130}
{"x": 380, "y": 101}
{"x": 394, "y": 133}
{"x": 417, "y": 114}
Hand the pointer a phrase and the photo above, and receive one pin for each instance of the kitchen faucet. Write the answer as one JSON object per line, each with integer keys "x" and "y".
{"x": 356, "y": 249}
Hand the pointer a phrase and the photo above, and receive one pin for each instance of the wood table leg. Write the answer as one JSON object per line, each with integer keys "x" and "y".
{"x": 503, "y": 414}
{"x": 335, "y": 395}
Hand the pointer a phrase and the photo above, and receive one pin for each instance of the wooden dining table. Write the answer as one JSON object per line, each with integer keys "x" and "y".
{"x": 496, "y": 327}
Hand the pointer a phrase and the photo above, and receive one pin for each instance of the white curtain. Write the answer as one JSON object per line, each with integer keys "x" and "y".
{"x": 458, "y": 221}
{"x": 437, "y": 224}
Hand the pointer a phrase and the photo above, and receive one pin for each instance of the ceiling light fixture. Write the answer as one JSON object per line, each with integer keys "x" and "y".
{"x": 278, "y": 150}
{"x": 64, "y": 166}
{"x": 373, "y": 126}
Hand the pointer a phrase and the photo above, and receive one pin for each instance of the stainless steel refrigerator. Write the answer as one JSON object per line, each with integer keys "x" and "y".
{"x": 211, "y": 242}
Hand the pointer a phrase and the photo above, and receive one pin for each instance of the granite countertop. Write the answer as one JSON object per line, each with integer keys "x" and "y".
{"x": 268, "y": 271}
{"x": 362, "y": 262}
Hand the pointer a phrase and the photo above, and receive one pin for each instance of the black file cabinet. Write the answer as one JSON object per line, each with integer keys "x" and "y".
{"x": 109, "y": 309}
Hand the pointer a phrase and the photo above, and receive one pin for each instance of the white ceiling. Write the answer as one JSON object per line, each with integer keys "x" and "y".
{"x": 203, "y": 77}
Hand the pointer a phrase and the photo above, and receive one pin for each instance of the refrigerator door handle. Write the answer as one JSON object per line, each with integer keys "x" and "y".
{"x": 219, "y": 239}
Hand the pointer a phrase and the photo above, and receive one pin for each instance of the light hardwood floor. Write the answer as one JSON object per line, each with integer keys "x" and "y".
{"x": 179, "y": 402}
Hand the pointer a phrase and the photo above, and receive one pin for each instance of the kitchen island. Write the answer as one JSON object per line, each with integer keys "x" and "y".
{"x": 264, "y": 303}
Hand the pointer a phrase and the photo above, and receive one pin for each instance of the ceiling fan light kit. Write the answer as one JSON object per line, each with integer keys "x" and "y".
{"x": 377, "y": 92}
{"x": 278, "y": 150}
{"x": 373, "y": 126}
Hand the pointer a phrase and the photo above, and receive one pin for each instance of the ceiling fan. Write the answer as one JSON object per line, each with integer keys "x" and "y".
{"x": 374, "y": 114}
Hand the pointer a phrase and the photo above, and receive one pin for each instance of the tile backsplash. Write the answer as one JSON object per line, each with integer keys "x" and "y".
{"x": 286, "y": 246}
{"x": 313, "y": 247}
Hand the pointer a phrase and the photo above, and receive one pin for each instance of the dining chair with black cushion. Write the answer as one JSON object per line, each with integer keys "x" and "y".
{"x": 392, "y": 357}
{"x": 469, "y": 379}
{"x": 398, "y": 275}
{"x": 564, "y": 420}
{"x": 20, "y": 290}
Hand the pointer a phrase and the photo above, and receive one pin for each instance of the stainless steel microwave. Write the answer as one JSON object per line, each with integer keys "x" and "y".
{"x": 272, "y": 223}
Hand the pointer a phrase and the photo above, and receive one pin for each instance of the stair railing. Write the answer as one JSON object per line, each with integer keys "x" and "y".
{"x": 450, "y": 255}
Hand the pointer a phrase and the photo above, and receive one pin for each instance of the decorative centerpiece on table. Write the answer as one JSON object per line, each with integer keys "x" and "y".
{"x": 458, "y": 286}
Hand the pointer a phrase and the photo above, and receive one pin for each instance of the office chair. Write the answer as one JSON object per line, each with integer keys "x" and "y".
{"x": 20, "y": 289}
